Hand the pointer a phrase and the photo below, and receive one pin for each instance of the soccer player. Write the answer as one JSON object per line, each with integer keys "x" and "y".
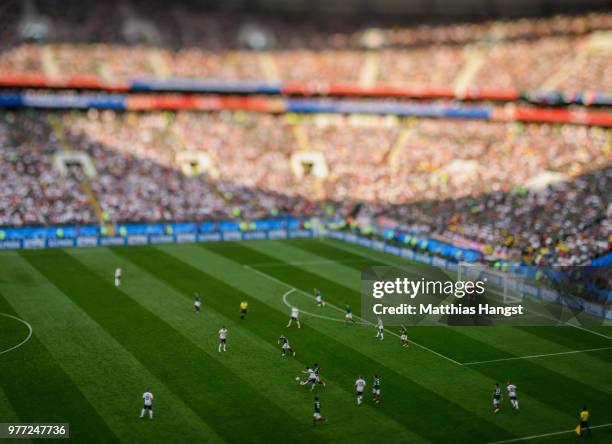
{"x": 348, "y": 314}
{"x": 318, "y": 299}
{"x": 404, "y": 336}
{"x": 311, "y": 379}
{"x": 376, "y": 389}
{"x": 496, "y": 398}
{"x": 148, "y": 404}
{"x": 512, "y": 395}
{"x": 118, "y": 273}
{"x": 360, "y": 385}
{"x": 317, "y": 369}
{"x": 316, "y": 416}
{"x": 285, "y": 347}
{"x": 380, "y": 330}
{"x": 584, "y": 421}
{"x": 197, "y": 303}
{"x": 244, "y": 306}
{"x": 295, "y": 313}
{"x": 223, "y": 339}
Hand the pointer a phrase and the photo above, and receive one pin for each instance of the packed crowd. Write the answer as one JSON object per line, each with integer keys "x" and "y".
{"x": 561, "y": 53}
{"x": 537, "y": 192}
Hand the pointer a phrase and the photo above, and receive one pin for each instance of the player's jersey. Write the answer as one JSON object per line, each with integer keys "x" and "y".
{"x": 584, "y": 415}
{"x": 197, "y": 303}
{"x": 283, "y": 341}
{"x": 317, "y": 407}
{"x": 295, "y": 312}
{"x": 148, "y": 398}
{"x": 512, "y": 390}
{"x": 118, "y": 273}
{"x": 244, "y": 305}
{"x": 376, "y": 383}
{"x": 379, "y": 324}
{"x": 223, "y": 333}
{"x": 497, "y": 393}
{"x": 311, "y": 374}
{"x": 360, "y": 385}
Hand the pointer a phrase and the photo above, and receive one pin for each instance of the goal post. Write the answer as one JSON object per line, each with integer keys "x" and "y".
{"x": 509, "y": 286}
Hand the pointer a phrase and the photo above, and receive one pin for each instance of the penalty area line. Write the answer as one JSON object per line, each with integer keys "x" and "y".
{"x": 27, "y": 324}
{"x": 363, "y": 321}
{"x": 514, "y": 358}
{"x": 544, "y": 435}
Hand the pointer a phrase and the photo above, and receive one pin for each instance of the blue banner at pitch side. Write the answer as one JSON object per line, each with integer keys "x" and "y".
{"x": 152, "y": 239}
{"x": 534, "y": 291}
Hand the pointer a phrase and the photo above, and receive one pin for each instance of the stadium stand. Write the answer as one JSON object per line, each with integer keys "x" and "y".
{"x": 536, "y": 192}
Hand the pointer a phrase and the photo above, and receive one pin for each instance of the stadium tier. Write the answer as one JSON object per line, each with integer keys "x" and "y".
{"x": 503, "y": 59}
{"x": 534, "y": 192}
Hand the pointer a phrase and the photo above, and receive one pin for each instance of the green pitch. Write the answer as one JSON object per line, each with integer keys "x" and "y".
{"x": 96, "y": 348}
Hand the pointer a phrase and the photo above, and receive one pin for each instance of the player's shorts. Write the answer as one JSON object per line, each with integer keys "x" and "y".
{"x": 294, "y": 318}
{"x": 286, "y": 346}
{"x": 243, "y": 310}
{"x": 359, "y": 393}
{"x": 584, "y": 424}
{"x": 513, "y": 398}
{"x": 316, "y": 415}
{"x": 376, "y": 391}
{"x": 349, "y": 316}
{"x": 148, "y": 407}
{"x": 196, "y": 306}
{"x": 222, "y": 341}
{"x": 313, "y": 380}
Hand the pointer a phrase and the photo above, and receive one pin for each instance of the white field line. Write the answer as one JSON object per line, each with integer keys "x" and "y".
{"x": 27, "y": 324}
{"x": 315, "y": 315}
{"x": 363, "y": 321}
{"x": 544, "y": 435}
{"x": 538, "y": 356}
{"x": 566, "y": 323}
{"x": 363, "y": 254}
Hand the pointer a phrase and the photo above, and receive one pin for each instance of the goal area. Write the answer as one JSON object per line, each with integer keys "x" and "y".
{"x": 509, "y": 286}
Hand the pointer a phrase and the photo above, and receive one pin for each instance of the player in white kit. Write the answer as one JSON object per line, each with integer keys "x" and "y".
{"x": 197, "y": 303}
{"x": 512, "y": 395}
{"x": 318, "y": 298}
{"x": 360, "y": 385}
{"x": 118, "y": 273}
{"x": 380, "y": 329}
{"x": 148, "y": 404}
{"x": 222, "y": 339}
{"x": 312, "y": 378}
{"x": 295, "y": 314}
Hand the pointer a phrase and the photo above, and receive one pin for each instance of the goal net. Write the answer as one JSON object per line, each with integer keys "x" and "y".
{"x": 509, "y": 287}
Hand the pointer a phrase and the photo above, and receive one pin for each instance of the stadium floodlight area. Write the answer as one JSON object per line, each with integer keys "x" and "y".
{"x": 511, "y": 286}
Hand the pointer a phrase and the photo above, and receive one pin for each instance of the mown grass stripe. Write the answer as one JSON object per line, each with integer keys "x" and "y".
{"x": 398, "y": 384}
{"x": 201, "y": 383}
{"x": 535, "y": 377}
{"x": 40, "y": 391}
{"x": 314, "y": 346}
{"x": 516, "y": 341}
{"x": 113, "y": 385}
{"x": 249, "y": 356}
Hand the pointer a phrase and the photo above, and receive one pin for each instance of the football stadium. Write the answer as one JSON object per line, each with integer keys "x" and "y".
{"x": 254, "y": 221}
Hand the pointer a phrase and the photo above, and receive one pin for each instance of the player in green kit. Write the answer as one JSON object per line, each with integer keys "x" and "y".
{"x": 285, "y": 347}
{"x": 376, "y": 389}
{"x": 348, "y": 314}
{"x": 316, "y": 416}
